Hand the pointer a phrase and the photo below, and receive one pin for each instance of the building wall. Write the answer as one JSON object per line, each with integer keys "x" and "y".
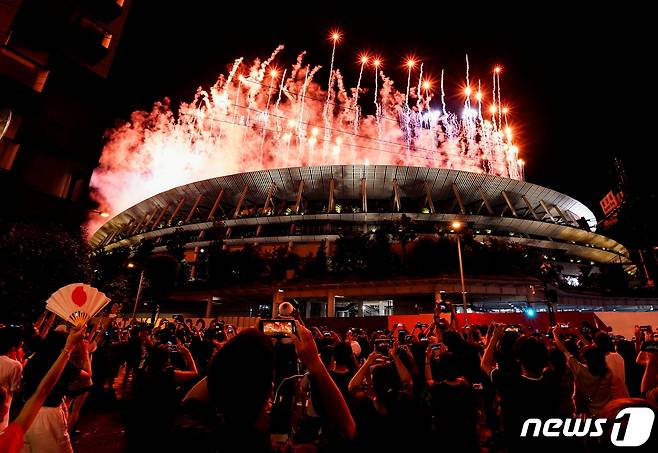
{"x": 54, "y": 58}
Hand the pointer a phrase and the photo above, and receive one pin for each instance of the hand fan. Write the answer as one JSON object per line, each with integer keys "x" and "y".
{"x": 77, "y": 303}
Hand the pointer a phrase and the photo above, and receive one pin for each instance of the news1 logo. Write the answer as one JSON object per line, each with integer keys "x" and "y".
{"x": 637, "y": 432}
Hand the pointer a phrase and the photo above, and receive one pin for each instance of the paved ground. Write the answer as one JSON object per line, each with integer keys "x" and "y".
{"x": 100, "y": 429}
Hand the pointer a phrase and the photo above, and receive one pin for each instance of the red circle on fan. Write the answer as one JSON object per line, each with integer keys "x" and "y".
{"x": 78, "y": 296}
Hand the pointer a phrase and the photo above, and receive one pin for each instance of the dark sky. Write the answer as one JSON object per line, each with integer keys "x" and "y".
{"x": 576, "y": 80}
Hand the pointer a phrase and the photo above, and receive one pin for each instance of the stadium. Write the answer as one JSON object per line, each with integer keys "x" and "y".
{"x": 301, "y": 207}
{"x": 278, "y": 165}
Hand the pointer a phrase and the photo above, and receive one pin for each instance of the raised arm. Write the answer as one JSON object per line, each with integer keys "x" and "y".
{"x": 39, "y": 322}
{"x": 487, "y": 363}
{"x": 47, "y": 325}
{"x": 559, "y": 342}
{"x": 429, "y": 379}
{"x": 32, "y": 406}
{"x": 360, "y": 375}
{"x": 190, "y": 372}
{"x": 403, "y": 372}
{"x": 333, "y": 403}
{"x": 650, "y": 378}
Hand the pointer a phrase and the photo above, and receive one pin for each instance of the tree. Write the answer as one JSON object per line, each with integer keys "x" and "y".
{"x": 161, "y": 272}
{"x": 111, "y": 274}
{"x": 35, "y": 261}
{"x": 380, "y": 259}
{"x": 612, "y": 278}
{"x": 280, "y": 260}
{"x": 349, "y": 255}
{"x": 431, "y": 257}
{"x": 404, "y": 232}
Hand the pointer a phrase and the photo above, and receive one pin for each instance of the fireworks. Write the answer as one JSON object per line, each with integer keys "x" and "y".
{"x": 264, "y": 115}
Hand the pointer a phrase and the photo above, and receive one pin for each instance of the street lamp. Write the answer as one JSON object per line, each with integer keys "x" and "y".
{"x": 139, "y": 288}
{"x": 457, "y": 226}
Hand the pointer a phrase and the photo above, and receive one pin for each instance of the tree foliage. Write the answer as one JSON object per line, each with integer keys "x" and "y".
{"x": 35, "y": 261}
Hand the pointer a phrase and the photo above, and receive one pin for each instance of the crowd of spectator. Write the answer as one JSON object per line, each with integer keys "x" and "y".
{"x": 218, "y": 388}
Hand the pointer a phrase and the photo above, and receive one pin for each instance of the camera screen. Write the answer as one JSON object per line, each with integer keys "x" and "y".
{"x": 278, "y": 328}
{"x": 382, "y": 345}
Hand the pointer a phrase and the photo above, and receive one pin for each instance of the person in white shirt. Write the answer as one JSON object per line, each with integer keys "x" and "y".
{"x": 11, "y": 369}
{"x": 613, "y": 359}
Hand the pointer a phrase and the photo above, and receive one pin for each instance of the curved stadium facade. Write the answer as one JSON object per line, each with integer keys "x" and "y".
{"x": 300, "y": 207}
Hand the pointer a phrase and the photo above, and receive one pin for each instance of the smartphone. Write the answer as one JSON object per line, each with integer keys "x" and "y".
{"x": 382, "y": 345}
{"x": 645, "y": 329}
{"x": 436, "y": 350}
{"x": 650, "y": 346}
{"x": 516, "y": 329}
{"x": 564, "y": 325}
{"x": 278, "y": 327}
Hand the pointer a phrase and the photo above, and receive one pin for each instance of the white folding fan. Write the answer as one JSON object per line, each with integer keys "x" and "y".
{"x": 77, "y": 303}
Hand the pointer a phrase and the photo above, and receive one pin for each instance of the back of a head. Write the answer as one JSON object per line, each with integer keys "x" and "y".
{"x": 10, "y": 337}
{"x": 572, "y": 347}
{"x": 449, "y": 366}
{"x": 158, "y": 359}
{"x": 532, "y": 354}
{"x": 40, "y": 363}
{"x": 557, "y": 359}
{"x": 603, "y": 341}
{"x": 385, "y": 382}
{"x": 343, "y": 354}
{"x": 626, "y": 349}
{"x": 326, "y": 350}
{"x": 454, "y": 341}
{"x": 240, "y": 377}
{"x": 595, "y": 359}
{"x": 505, "y": 352}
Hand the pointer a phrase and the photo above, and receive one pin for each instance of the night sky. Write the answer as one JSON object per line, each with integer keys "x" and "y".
{"x": 575, "y": 81}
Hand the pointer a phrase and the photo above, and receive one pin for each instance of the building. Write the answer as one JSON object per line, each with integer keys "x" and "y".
{"x": 54, "y": 58}
{"x": 301, "y": 207}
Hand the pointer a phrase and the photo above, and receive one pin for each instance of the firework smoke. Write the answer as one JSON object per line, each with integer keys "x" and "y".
{"x": 233, "y": 127}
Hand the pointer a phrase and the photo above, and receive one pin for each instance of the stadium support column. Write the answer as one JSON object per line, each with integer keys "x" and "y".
{"x": 331, "y": 304}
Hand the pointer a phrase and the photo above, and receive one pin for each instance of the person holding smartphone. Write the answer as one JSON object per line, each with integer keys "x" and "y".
{"x": 229, "y": 410}
{"x": 453, "y": 402}
{"x": 156, "y": 394}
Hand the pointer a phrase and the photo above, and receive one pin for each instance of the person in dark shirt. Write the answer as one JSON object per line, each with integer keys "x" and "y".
{"x": 453, "y": 405}
{"x": 343, "y": 370}
{"x": 156, "y": 395}
{"x": 385, "y": 409}
{"x": 531, "y": 393}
